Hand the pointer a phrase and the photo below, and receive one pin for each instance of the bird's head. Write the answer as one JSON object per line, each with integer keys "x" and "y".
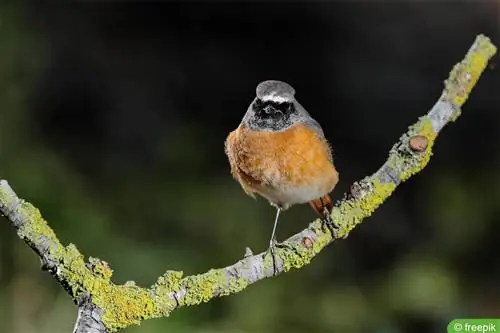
{"x": 274, "y": 108}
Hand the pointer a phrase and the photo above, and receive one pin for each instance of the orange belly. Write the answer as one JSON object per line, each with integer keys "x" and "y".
{"x": 286, "y": 168}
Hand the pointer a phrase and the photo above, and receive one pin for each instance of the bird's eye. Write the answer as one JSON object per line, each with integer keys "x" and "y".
{"x": 257, "y": 104}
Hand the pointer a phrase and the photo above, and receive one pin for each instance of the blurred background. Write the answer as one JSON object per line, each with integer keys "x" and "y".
{"x": 113, "y": 121}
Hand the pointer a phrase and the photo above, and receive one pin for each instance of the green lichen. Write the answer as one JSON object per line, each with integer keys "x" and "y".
{"x": 465, "y": 74}
{"x": 380, "y": 192}
{"x": 234, "y": 286}
{"x": 403, "y": 162}
{"x": 74, "y": 271}
{"x": 100, "y": 268}
{"x": 123, "y": 305}
{"x": 406, "y": 161}
{"x": 128, "y": 304}
{"x": 162, "y": 289}
{"x": 169, "y": 281}
{"x": 36, "y": 229}
{"x": 6, "y": 200}
{"x": 346, "y": 216}
{"x": 322, "y": 240}
{"x": 201, "y": 288}
{"x": 352, "y": 212}
{"x": 295, "y": 256}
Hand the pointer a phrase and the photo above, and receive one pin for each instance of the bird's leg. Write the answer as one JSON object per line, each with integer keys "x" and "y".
{"x": 328, "y": 222}
{"x": 273, "y": 242}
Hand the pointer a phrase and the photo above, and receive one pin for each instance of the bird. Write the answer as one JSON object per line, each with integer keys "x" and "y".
{"x": 279, "y": 152}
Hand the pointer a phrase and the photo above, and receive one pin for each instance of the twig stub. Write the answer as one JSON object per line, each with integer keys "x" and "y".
{"x": 418, "y": 143}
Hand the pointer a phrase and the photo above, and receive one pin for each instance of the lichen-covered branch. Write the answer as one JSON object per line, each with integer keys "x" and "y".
{"x": 104, "y": 306}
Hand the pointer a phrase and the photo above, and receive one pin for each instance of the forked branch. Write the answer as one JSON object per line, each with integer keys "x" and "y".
{"x": 104, "y": 306}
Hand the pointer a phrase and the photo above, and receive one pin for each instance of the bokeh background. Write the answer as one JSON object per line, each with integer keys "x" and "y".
{"x": 113, "y": 119}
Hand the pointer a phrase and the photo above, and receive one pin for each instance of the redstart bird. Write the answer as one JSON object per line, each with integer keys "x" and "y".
{"x": 280, "y": 153}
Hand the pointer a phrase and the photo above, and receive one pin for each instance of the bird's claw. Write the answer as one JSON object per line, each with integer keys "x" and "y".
{"x": 330, "y": 225}
{"x": 272, "y": 251}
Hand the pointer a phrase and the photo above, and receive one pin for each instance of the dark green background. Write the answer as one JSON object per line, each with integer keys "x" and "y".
{"x": 113, "y": 119}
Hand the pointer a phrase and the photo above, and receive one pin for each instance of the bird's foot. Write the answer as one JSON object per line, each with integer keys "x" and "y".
{"x": 273, "y": 244}
{"x": 329, "y": 224}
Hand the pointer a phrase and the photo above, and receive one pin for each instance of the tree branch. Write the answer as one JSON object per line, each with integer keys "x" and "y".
{"x": 104, "y": 306}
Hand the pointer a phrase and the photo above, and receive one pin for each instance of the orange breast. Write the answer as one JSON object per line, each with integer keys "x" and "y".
{"x": 286, "y": 167}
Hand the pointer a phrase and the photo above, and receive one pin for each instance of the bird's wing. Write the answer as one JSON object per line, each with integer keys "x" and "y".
{"x": 307, "y": 120}
{"x": 314, "y": 125}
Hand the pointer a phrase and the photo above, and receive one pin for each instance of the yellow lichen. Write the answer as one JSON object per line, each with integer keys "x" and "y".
{"x": 37, "y": 228}
{"x": 352, "y": 211}
{"x": 169, "y": 280}
{"x": 123, "y": 305}
{"x": 201, "y": 288}
{"x": 101, "y": 268}
{"x": 465, "y": 74}
{"x": 322, "y": 239}
{"x": 368, "y": 205}
{"x": 129, "y": 304}
{"x": 164, "y": 286}
{"x": 234, "y": 285}
{"x": 295, "y": 257}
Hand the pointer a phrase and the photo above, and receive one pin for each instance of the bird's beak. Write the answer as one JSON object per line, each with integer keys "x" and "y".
{"x": 268, "y": 109}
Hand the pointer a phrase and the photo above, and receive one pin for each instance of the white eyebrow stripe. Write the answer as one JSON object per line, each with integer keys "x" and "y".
{"x": 275, "y": 98}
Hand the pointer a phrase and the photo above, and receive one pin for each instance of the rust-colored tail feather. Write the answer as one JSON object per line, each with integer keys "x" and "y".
{"x": 319, "y": 204}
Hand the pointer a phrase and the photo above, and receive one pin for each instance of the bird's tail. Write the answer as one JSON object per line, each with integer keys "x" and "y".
{"x": 319, "y": 204}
